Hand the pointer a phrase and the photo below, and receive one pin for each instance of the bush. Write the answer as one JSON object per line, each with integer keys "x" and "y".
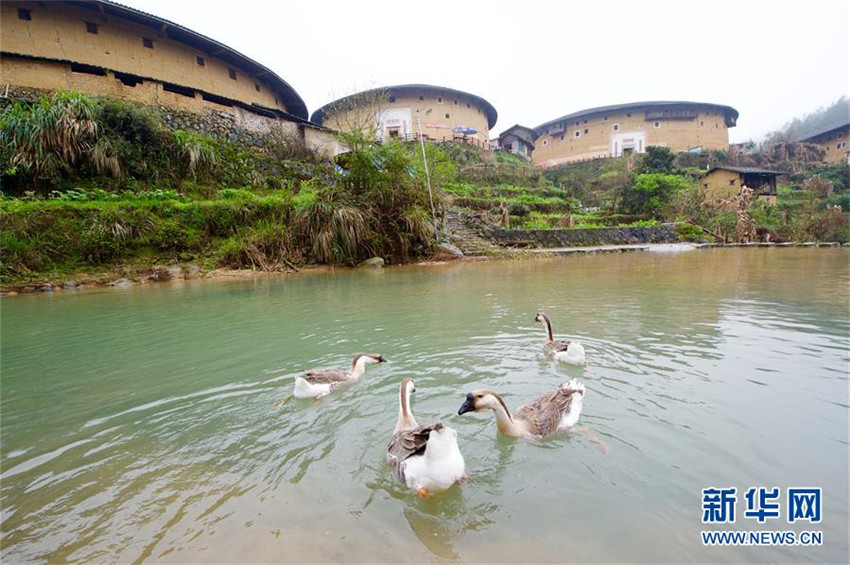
{"x": 651, "y": 192}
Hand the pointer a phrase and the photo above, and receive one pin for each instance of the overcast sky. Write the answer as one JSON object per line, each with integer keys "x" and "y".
{"x": 536, "y": 61}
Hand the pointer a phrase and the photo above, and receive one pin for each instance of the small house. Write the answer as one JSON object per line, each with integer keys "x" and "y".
{"x": 518, "y": 140}
{"x": 721, "y": 183}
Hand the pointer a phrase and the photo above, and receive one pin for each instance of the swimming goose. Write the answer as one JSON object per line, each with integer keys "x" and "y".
{"x": 316, "y": 384}
{"x": 425, "y": 458}
{"x": 552, "y": 412}
{"x": 567, "y": 351}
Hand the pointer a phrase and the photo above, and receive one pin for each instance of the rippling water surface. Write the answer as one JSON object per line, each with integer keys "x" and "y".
{"x": 139, "y": 424}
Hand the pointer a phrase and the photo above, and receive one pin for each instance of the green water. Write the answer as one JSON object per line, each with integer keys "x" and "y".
{"x": 139, "y": 424}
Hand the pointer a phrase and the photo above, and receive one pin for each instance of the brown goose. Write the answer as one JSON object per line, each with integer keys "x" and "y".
{"x": 425, "y": 458}
{"x": 552, "y": 412}
{"x": 562, "y": 350}
{"x": 316, "y": 384}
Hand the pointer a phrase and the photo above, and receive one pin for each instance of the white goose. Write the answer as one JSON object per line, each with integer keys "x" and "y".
{"x": 425, "y": 458}
{"x": 318, "y": 383}
{"x": 568, "y": 351}
{"x": 553, "y": 412}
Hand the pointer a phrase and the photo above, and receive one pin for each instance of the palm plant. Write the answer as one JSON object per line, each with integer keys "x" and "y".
{"x": 38, "y": 139}
{"x": 198, "y": 152}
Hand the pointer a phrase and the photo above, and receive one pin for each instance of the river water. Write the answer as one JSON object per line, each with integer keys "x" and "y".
{"x": 139, "y": 424}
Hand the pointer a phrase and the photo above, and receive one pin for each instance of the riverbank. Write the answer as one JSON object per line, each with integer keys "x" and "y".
{"x": 126, "y": 276}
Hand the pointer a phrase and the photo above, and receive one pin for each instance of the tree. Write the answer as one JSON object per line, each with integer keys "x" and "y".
{"x": 650, "y": 193}
{"x": 657, "y": 160}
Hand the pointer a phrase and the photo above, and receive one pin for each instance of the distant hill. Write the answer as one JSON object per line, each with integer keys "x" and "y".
{"x": 824, "y": 119}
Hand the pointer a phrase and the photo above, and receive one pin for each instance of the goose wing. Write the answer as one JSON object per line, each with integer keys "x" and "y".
{"x": 406, "y": 444}
{"x": 326, "y": 376}
{"x": 557, "y": 345}
{"x": 544, "y": 414}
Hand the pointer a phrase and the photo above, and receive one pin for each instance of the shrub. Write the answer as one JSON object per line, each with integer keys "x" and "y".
{"x": 650, "y": 193}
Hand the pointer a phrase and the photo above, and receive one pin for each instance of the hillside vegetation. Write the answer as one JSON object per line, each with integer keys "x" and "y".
{"x": 93, "y": 185}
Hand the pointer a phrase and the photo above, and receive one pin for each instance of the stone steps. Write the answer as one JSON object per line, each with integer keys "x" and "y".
{"x": 465, "y": 238}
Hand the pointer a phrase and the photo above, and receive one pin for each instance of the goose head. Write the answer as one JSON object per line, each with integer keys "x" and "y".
{"x": 481, "y": 400}
{"x": 363, "y": 358}
{"x": 542, "y": 318}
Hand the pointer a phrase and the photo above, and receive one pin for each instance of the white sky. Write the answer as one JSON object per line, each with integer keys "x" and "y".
{"x": 537, "y": 60}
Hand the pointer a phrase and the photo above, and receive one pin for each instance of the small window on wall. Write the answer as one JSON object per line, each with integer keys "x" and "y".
{"x": 447, "y": 116}
{"x": 256, "y": 87}
{"x": 454, "y": 102}
{"x": 25, "y": 15}
{"x": 585, "y": 121}
{"x": 605, "y": 118}
{"x": 616, "y": 127}
{"x": 467, "y": 105}
{"x": 421, "y": 98}
{"x": 578, "y": 122}
{"x": 578, "y": 133}
{"x": 562, "y": 138}
{"x": 232, "y": 73}
{"x": 392, "y": 99}
{"x": 586, "y": 130}
{"x": 701, "y": 124}
{"x": 147, "y": 42}
{"x": 657, "y": 124}
{"x": 200, "y": 61}
{"x": 91, "y": 27}
{"x": 545, "y": 142}
{"x": 629, "y": 115}
{"x": 732, "y": 182}
{"x": 439, "y": 99}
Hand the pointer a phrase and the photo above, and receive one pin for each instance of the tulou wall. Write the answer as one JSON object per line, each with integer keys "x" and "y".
{"x": 593, "y": 134}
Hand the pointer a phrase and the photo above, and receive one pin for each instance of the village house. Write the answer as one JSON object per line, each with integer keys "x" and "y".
{"x": 518, "y": 140}
{"x": 723, "y": 183}
{"x": 834, "y": 141}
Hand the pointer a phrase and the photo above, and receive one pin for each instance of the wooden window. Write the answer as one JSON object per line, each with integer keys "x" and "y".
{"x": 24, "y": 14}
{"x": 200, "y": 61}
{"x": 91, "y": 27}
{"x": 232, "y": 73}
{"x": 147, "y": 42}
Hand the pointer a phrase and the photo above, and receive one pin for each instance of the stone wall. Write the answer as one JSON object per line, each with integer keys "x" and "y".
{"x": 665, "y": 233}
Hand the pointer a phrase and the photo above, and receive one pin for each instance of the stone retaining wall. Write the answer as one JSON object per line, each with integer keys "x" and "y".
{"x": 665, "y": 233}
